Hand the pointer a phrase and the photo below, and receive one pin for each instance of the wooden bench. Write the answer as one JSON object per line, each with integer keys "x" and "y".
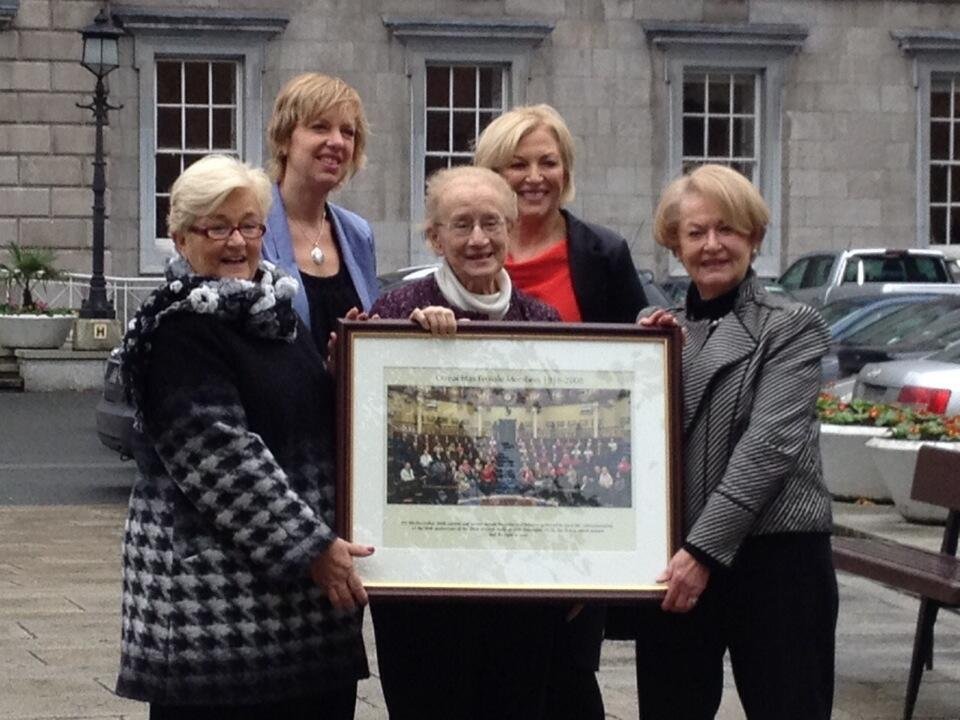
{"x": 934, "y": 577}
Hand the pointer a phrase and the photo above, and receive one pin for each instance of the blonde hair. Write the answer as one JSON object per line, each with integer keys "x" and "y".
{"x": 738, "y": 199}
{"x": 304, "y": 98}
{"x": 205, "y": 185}
{"x": 442, "y": 180}
{"x": 499, "y": 140}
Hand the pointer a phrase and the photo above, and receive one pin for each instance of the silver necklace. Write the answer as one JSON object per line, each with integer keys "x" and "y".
{"x": 316, "y": 252}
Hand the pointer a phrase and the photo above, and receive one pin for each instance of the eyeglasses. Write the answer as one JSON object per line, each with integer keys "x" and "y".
{"x": 463, "y": 227}
{"x": 248, "y": 231}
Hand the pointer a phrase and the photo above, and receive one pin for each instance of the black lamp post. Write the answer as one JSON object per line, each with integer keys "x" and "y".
{"x": 101, "y": 57}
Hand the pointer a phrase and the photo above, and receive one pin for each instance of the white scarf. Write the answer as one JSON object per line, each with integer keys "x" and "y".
{"x": 493, "y": 306}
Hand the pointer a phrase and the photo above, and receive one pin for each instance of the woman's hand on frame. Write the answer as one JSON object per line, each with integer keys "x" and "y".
{"x": 435, "y": 319}
{"x": 686, "y": 579}
{"x": 658, "y": 318}
{"x": 333, "y": 571}
{"x": 353, "y": 313}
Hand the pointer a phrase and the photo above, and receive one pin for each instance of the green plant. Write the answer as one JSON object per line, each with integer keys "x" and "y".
{"x": 833, "y": 411}
{"x": 905, "y": 423}
{"x": 27, "y": 267}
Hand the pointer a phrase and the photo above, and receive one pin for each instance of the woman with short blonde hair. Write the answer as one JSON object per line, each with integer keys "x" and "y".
{"x": 318, "y": 136}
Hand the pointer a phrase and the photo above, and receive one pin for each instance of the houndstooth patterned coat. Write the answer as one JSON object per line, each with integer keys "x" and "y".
{"x": 235, "y": 497}
{"x": 751, "y": 436}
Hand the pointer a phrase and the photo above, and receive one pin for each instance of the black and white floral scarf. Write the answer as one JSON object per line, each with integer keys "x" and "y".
{"x": 261, "y": 307}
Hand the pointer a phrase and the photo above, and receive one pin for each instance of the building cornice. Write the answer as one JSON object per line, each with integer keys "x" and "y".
{"x": 163, "y": 21}
{"x": 916, "y": 40}
{"x": 527, "y": 30}
{"x": 668, "y": 34}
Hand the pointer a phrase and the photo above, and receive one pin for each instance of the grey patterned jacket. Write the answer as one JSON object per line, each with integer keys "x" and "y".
{"x": 235, "y": 498}
{"x": 751, "y": 436}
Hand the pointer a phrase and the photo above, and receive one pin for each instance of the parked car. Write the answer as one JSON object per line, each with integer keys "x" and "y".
{"x": 676, "y": 287}
{"x": 114, "y": 417}
{"x": 912, "y": 331}
{"x": 847, "y": 316}
{"x": 931, "y": 383}
{"x": 819, "y": 277}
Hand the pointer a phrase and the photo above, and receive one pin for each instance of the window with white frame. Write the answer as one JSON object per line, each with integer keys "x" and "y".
{"x": 721, "y": 120}
{"x": 944, "y": 186}
{"x": 461, "y": 100}
{"x": 200, "y": 92}
{"x": 198, "y": 111}
{"x": 463, "y": 73}
{"x": 724, "y": 87}
{"x": 936, "y": 73}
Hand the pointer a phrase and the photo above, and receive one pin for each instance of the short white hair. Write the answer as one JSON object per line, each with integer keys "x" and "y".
{"x": 205, "y": 185}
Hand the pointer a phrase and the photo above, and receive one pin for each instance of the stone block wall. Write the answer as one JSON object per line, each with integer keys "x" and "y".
{"x": 849, "y": 114}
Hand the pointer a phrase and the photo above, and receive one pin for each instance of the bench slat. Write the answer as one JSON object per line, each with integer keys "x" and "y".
{"x": 919, "y": 571}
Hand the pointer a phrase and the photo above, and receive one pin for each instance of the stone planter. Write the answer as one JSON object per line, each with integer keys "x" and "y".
{"x": 895, "y": 461}
{"x": 847, "y": 471}
{"x": 34, "y": 331}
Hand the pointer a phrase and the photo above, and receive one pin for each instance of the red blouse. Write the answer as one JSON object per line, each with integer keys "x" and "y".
{"x": 547, "y": 277}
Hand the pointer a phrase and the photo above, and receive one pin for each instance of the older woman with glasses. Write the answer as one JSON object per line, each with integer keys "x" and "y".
{"x": 462, "y": 659}
{"x": 239, "y": 601}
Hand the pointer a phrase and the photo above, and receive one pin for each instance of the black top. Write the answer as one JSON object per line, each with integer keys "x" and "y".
{"x": 713, "y": 309}
{"x": 329, "y": 298}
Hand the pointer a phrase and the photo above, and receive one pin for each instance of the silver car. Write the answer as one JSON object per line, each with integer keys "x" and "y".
{"x": 932, "y": 383}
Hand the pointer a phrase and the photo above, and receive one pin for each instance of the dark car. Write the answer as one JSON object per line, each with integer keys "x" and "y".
{"x": 114, "y": 415}
{"x": 913, "y": 331}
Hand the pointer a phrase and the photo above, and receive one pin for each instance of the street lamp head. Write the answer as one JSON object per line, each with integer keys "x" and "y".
{"x": 100, "y": 45}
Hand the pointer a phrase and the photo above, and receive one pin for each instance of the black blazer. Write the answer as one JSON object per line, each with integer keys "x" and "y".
{"x": 605, "y": 280}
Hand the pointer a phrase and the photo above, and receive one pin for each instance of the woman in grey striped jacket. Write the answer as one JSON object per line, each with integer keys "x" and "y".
{"x": 754, "y": 574}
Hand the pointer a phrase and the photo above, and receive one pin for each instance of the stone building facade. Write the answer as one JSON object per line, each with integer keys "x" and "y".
{"x": 845, "y": 112}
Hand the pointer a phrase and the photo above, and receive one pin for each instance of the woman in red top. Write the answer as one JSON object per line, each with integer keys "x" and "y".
{"x": 585, "y": 271}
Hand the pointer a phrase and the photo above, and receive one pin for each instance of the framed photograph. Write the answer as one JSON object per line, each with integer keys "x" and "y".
{"x": 510, "y": 460}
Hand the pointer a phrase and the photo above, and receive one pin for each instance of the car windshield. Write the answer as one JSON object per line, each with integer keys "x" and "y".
{"x": 951, "y": 353}
{"x": 929, "y": 324}
{"x": 897, "y": 268}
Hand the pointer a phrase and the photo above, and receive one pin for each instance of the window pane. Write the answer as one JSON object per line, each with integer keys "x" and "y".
{"x": 938, "y": 183}
{"x": 195, "y": 79}
{"x": 954, "y": 225}
{"x": 955, "y": 183}
{"x": 434, "y": 163}
{"x": 224, "y": 83}
{"x": 464, "y": 130}
{"x": 940, "y": 140}
{"x": 460, "y": 160}
{"x": 438, "y": 131}
{"x": 718, "y": 137}
{"x": 168, "y": 128}
{"x": 198, "y": 128}
{"x": 438, "y": 86}
{"x": 168, "y": 168}
{"x": 491, "y": 87}
{"x": 190, "y": 159}
{"x": 693, "y": 137}
{"x": 464, "y": 87}
{"x": 168, "y": 82}
{"x": 940, "y": 100}
{"x": 747, "y": 169}
{"x": 162, "y": 209}
{"x": 956, "y": 141}
{"x": 743, "y": 101}
{"x": 693, "y": 94}
{"x": 719, "y": 94}
{"x": 938, "y": 225}
{"x": 223, "y": 129}
{"x": 485, "y": 119}
{"x": 743, "y": 137}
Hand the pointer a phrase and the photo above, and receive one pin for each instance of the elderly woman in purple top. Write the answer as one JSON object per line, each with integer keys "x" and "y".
{"x": 466, "y": 660}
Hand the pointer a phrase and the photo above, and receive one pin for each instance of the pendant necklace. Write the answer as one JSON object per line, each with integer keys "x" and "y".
{"x": 316, "y": 252}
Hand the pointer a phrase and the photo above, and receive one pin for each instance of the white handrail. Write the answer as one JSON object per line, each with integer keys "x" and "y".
{"x": 126, "y": 293}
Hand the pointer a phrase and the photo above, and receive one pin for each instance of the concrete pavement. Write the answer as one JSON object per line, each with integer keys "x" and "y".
{"x": 59, "y": 627}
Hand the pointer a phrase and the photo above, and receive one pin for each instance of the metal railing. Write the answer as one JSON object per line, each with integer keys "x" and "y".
{"x": 126, "y": 293}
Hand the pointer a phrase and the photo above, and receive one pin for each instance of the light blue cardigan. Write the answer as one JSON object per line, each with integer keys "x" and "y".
{"x": 355, "y": 239}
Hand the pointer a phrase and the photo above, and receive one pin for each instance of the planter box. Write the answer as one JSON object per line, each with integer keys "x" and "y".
{"x": 847, "y": 471}
{"x": 895, "y": 460}
{"x": 35, "y": 331}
